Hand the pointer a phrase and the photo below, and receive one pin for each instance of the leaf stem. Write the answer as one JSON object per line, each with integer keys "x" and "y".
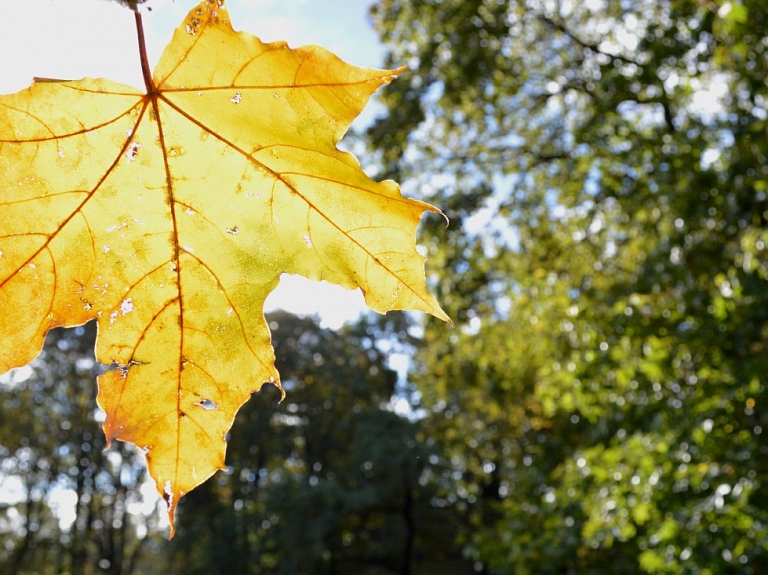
{"x": 145, "y": 71}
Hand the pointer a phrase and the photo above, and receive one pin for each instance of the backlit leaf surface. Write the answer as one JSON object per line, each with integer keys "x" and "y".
{"x": 169, "y": 214}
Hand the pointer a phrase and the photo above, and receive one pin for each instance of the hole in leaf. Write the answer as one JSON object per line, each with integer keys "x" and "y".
{"x": 208, "y": 405}
{"x": 168, "y": 493}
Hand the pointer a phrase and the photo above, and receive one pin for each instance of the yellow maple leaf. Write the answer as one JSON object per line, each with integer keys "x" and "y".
{"x": 168, "y": 215}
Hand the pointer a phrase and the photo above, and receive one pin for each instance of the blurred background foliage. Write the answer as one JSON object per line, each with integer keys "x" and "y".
{"x": 598, "y": 407}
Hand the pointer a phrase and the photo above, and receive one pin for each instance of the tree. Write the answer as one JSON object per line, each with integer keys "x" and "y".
{"x": 52, "y": 446}
{"x": 604, "y": 169}
{"x": 329, "y": 481}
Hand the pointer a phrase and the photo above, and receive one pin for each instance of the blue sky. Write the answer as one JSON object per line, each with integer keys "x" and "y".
{"x": 71, "y": 39}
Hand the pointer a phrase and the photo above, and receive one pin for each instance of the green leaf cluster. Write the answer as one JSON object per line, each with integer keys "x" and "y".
{"x": 604, "y": 168}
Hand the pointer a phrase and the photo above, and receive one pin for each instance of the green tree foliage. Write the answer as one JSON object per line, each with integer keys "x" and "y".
{"x": 52, "y": 451}
{"x": 329, "y": 481}
{"x": 604, "y": 165}
{"x": 332, "y": 480}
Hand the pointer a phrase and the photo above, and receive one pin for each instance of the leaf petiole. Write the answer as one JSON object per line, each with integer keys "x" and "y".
{"x": 145, "y": 70}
